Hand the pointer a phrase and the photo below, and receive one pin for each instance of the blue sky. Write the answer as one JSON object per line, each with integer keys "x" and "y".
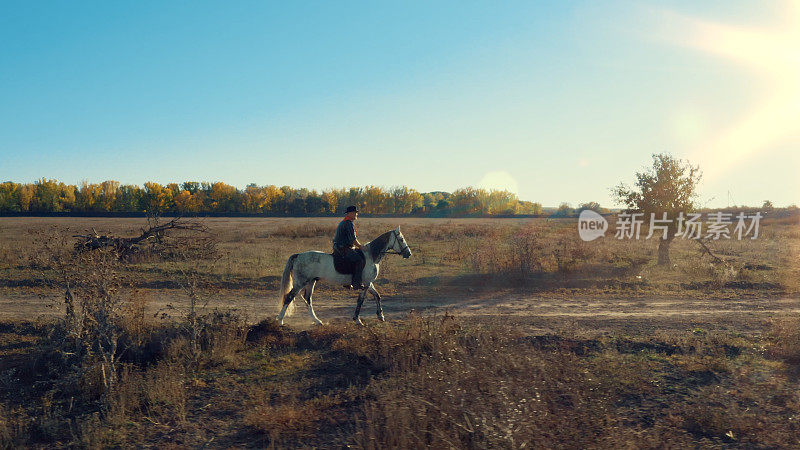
{"x": 559, "y": 100}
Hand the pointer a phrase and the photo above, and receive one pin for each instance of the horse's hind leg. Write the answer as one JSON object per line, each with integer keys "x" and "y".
{"x": 309, "y": 291}
{"x": 283, "y": 310}
{"x": 378, "y": 301}
{"x": 287, "y": 300}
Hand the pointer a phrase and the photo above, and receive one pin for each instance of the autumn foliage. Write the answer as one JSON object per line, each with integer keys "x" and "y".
{"x": 191, "y": 197}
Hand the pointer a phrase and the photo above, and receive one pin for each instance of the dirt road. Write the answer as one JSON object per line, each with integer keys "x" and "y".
{"x": 538, "y": 312}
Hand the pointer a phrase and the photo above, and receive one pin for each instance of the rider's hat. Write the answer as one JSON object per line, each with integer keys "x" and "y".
{"x": 351, "y": 208}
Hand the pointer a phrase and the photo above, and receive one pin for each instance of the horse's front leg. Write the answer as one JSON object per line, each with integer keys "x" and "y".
{"x": 378, "y": 301}
{"x": 361, "y": 297}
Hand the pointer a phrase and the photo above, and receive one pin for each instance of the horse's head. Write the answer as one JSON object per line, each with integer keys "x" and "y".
{"x": 399, "y": 245}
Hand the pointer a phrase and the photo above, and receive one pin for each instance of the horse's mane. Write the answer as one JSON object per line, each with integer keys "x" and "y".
{"x": 377, "y": 245}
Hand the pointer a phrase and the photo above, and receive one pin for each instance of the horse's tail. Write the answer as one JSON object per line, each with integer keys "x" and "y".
{"x": 287, "y": 284}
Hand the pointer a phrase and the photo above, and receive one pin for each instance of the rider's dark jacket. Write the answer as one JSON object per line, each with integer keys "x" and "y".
{"x": 345, "y": 236}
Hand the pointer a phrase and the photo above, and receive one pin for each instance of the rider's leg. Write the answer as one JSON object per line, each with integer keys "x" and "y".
{"x": 356, "y": 259}
{"x": 359, "y": 270}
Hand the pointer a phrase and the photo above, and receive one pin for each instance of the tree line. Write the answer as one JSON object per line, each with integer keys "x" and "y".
{"x": 192, "y": 197}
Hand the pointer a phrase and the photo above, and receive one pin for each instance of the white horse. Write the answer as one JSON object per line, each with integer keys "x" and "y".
{"x": 304, "y": 269}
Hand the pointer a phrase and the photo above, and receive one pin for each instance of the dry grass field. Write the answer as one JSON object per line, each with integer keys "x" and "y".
{"x": 501, "y": 333}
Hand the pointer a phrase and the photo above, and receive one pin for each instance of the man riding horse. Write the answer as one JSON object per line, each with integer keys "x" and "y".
{"x": 303, "y": 270}
{"x": 347, "y": 247}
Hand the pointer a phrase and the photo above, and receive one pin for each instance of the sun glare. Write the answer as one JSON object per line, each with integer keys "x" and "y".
{"x": 774, "y": 54}
{"x": 500, "y": 181}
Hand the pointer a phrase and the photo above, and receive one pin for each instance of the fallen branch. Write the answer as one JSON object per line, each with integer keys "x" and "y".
{"x": 124, "y": 246}
{"x": 706, "y": 250}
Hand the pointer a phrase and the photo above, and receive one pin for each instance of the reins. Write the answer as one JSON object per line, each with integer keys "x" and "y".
{"x": 387, "y": 250}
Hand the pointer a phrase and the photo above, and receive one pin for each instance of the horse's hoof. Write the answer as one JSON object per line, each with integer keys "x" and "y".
{"x": 358, "y": 321}
{"x": 381, "y": 318}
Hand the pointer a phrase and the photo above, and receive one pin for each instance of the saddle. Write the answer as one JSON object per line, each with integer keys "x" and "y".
{"x": 341, "y": 264}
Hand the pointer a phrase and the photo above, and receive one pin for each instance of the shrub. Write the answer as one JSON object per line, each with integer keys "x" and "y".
{"x": 784, "y": 339}
{"x": 222, "y": 335}
{"x": 569, "y": 251}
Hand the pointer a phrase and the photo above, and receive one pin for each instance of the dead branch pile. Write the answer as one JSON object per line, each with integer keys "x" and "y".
{"x": 125, "y": 246}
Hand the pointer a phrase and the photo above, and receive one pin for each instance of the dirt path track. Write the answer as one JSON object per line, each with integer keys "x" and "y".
{"x": 540, "y": 312}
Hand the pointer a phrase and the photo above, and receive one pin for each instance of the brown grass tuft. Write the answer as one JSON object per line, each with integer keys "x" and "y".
{"x": 784, "y": 339}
